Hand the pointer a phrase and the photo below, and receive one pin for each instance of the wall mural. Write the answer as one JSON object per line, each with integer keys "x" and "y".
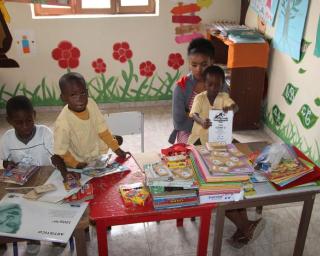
{"x": 131, "y": 85}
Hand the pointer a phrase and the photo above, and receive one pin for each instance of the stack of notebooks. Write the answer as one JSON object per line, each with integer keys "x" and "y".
{"x": 171, "y": 187}
{"x": 19, "y": 174}
{"x": 220, "y": 172}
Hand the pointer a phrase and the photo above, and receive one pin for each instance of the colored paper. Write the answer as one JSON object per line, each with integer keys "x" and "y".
{"x": 290, "y": 26}
{"x": 187, "y": 38}
{"x": 266, "y": 9}
{"x": 317, "y": 47}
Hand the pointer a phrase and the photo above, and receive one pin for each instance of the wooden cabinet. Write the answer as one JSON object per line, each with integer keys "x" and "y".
{"x": 246, "y": 83}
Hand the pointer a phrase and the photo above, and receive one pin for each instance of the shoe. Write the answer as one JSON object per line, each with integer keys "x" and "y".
{"x": 58, "y": 248}
{"x": 33, "y": 247}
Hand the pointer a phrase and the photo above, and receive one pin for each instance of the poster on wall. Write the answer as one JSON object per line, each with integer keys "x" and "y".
{"x": 290, "y": 25}
{"x": 266, "y": 9}
{"x": 50, "y": 222}
{"x": 25, "y": 42}
{"x": 317, "y": 47}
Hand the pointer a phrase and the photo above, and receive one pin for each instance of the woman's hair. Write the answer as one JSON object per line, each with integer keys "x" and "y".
{"x": 201, "y": 46}
{"x": 18, "y": 103}
{"x": 214, "y": 70}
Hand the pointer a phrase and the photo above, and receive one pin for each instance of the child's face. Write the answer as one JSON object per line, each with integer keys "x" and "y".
{"x": 197, "y": 64}
{"x": 76, "y": 96}
{"x": 23, "y": 122}
{"x": 213, "y": 84}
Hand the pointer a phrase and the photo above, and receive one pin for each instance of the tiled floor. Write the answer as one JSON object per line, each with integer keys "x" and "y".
{"x": 165, "y": 239}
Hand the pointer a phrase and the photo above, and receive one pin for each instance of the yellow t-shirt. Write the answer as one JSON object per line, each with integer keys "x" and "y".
{"x": 79, "y": 136}
{"x": 201, "y": 105}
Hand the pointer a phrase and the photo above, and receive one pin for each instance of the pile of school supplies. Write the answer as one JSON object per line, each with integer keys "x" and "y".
{"x": 83, "y": 195}
{"x": 18, "y": 174}
{"x": 220, "y": 170}
{"x": 286, "y": 167}
{"x": 134, "y": 194}
{"x": 171, "y": 180}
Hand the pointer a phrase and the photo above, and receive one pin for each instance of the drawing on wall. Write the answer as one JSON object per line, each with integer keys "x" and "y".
{"x": 189, "y": 24}
{"x": 306, "y": 116}
{"x": 25, "y": 42}
{"x": 5, "y": 43}
{"x": 204, "y": 3}
{"x": 290, "y": 25}
{"x": 67, "y": 55}
{"x": 290, "y": 93}
{"x": 277, "y": 115}
{"x": 317, "y": 46}
{"x": 266, "y": 9}
{"x": 317, "y": 101}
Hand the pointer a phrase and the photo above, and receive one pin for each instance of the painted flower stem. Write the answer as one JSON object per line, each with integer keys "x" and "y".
{"x": 127, "y": 79}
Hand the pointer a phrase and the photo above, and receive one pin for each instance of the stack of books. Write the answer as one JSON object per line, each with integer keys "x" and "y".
{"x": 172, "y": 183}
{"x": 221, "y": 172}
{"x": 18, "y": 174}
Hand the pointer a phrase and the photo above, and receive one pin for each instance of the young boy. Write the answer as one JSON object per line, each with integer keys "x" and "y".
{"x": 214, "y": 78}
{"x": 81, "y": 134}
{"x": 211, "y": 98}
{"x": 26, "y": 141}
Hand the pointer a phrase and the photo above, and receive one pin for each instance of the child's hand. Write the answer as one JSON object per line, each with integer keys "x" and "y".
{"x": 122, "y": 154}
{"x": 58, "y": 162}
{"x": 206, "y": 123}
{"x": 81, "y": 165}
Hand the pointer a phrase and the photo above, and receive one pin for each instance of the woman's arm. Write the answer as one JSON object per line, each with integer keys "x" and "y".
{"x": 178, "y": 108}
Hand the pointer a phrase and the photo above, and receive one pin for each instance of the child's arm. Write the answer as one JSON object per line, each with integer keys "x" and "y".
{"x": 59, "y": 163}
{"x": 205, "y": 123}
{"x": 107, "y": 137}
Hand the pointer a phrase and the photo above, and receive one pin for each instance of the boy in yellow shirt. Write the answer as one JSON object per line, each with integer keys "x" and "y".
{"x": 211, "y": 98}
{"x": 81, "y": 133}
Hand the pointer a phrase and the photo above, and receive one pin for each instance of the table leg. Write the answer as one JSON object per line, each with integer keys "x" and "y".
{"x": 303, "y": 226}
{"x": 204, "y": 229}
{"x": 81, "y": 244}
{"x": 102, "y": 238}
{"x": 218, "y": 231}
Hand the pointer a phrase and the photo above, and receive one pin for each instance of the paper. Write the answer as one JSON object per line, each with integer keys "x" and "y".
{"x": 221, "y": 129}
{"x": 266, "y": 9}
{"x": 59, "y": 194}
{"x": 22, "y": 218}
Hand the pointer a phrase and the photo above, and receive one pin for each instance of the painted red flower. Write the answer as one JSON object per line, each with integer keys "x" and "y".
{"x": 147, "y": 68}
{"x": 99, "y": 66}
{"x": 175, "y": 60}
{"x": 66, "y": 54}
{"x": 122, "y": 52}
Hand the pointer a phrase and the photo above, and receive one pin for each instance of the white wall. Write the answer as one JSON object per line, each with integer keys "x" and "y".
{"x": 150, "y": 38}
{"x": 283, "y": 70}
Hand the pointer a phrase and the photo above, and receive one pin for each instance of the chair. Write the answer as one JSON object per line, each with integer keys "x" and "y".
{"x": 126, "y": 123}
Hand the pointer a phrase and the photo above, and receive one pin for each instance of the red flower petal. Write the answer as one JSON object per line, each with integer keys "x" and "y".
{"x": 116, "y": 46}
{"x": 153, "y": 67}
{"x": 116, "y": 55}
{"x": 103, "y": 70}
{"x": 142, "y": 65}
{"x": 66, "y": 54}
{"x": 99, "y": 60}
{"x": 125, "y": 45}
{"x": 73, "y": 63}
{"x": 142, "y": 72}
{"x": 104, "y": 65}
{"x": 94, "y": 64}
{"x": 63, "y": 63}
{"x": 65, "y": 45}
{"x": 123, "y": 59}
{"x": 56, "y": 53}
{"x": 129, "y": 54}
{"x": 75, "y": 52}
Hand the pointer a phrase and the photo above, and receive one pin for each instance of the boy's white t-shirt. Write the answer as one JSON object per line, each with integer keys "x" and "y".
{"x": 39, "y": 148}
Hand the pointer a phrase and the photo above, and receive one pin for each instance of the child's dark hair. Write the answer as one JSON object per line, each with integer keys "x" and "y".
{"x": 69, "y": 78}
{"x": 18, "y": 103}
{"x": 201, "y": 46}
{"x": 214, "y": 70}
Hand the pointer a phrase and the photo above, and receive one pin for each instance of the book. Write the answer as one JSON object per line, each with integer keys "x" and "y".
{"x": 83, "y": 195}
{"x": 18, "y": 174}
{"x": 134, "y": 194}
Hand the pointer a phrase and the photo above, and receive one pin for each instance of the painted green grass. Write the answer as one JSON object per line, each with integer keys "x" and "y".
{"x": 290, "y": 134}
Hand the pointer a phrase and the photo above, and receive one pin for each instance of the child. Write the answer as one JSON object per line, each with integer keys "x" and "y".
{"x": 214, "y": 78}
{"x": 211, "y": 98}
{"x": 81, "y": 134}
{"x": 200, "y": 56}
{"x": 26, "y": 141}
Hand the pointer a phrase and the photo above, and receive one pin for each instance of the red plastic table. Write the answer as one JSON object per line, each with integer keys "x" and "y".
{"x": 107, "y": 208}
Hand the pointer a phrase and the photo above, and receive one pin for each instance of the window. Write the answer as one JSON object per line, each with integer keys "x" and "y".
{"x": 97, "y": 7}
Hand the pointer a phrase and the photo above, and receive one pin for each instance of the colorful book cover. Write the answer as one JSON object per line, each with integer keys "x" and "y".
{"x": 84, "y": 194}
{"x": 134, "y": 194}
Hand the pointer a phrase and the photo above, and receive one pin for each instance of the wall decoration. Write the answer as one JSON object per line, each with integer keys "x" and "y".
{"x": 307, "y": 117}
{"x": 317, "y": 101}
{"x": 5, "y": 45}
{"x": 277, "y": 115}
{"x": 303, "y": 49}
{"x": 290, "y": 93}
{"x": 266, "y": 9}
{"x": 204, "y": 3}
{"x": 25, "y": 42}
{"x": 317, "y": 46}
{"x": 290, "y": 134}
{"x": 67, "y": 55}
{"x": 302, "y": 71}
{"x": 189, "y": 23}
{"x": 290, "y": 26}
